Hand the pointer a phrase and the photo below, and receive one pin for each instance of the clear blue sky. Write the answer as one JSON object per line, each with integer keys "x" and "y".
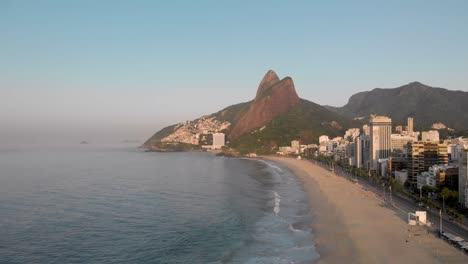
{"x": 123, "y": 69}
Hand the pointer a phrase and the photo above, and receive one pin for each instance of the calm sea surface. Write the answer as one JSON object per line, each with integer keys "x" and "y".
{"x": 116, "y": 204}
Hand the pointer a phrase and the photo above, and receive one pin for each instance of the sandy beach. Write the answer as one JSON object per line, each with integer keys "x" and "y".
{"x": 351, "y": 224}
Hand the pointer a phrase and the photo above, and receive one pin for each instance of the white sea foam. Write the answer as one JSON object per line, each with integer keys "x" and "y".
{"x": 294, "y": 229}
{"x": 277, "y": 200}
{"x": 271, "y": 165}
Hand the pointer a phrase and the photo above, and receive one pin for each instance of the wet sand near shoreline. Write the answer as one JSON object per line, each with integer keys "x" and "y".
{"x": 351, "y": 225}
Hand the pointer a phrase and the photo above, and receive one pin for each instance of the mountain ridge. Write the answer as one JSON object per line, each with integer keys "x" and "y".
{"x": 273, "y": 118}
{"x": 427, "y": 104}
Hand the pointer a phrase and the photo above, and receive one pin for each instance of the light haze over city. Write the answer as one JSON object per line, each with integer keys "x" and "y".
{"x": 107, "y": 71}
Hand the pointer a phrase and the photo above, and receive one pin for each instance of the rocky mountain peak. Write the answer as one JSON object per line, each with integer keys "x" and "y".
{"x": 268, "y": 80}
{"x": 274, "y": 96}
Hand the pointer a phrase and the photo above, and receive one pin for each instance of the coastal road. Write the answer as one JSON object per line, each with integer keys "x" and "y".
{"x": 403, "y": 204}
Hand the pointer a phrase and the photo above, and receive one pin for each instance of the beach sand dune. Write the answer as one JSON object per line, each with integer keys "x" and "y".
{"x": 351, "y": 225}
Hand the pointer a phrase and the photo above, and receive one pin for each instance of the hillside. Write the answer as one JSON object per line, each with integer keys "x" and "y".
{"x": 273, "y": 118}
{"x": 428, "y": 105}
{"x": 228, "y": 114}
{"x": 218, "y": 122}
{"x": 306, "y": 122}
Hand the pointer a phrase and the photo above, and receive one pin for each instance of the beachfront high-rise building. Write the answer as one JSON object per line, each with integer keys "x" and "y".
{"x": 361, "y": 151}
{"x": 423, "y": 155}
{"x": 431, "y": 135}
{"x": 399, "y": 142}
{"x": 463, "y": 178}
{"x": 295, "y": 146}
{"x": 218, "y": 140}
{"x": 410, "y": 125}
{"x": 380, "y": 144}
{"x": 415, "y": 161}
{"x": 357, "y": 152}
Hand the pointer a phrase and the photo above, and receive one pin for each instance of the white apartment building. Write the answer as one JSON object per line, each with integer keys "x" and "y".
{"x": 323, "y": 138}
{"x": 218, "y": 140}
{"x": 426, "y": 179}
{"x": 295, "y": 145}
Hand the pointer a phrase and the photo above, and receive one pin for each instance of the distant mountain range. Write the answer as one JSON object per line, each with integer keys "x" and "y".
{"x": 274, "y": 118}
{"x": 277, "y": 115}
{"x": 428, "y": 105}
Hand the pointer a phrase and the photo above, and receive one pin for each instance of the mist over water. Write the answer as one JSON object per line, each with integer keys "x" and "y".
{"x": 116, "y": 204}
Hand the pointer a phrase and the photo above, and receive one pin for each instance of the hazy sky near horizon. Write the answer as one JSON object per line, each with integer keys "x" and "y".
{"x": 114, "y": 70}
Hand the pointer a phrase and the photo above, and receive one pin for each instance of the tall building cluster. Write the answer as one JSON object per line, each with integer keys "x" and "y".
{"x": 414, "y": 159}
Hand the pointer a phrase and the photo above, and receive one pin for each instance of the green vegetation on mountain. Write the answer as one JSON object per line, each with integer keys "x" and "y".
{"x": 445, "y": 133}
{"x": 230, "y": 113}
{"x": 305, "y": 122}
{"x": 428, "y": 105}
{"x": 274, "y": 118}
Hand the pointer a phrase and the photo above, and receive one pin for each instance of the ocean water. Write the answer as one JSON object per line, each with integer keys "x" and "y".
{"x": 117, "y": 204}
